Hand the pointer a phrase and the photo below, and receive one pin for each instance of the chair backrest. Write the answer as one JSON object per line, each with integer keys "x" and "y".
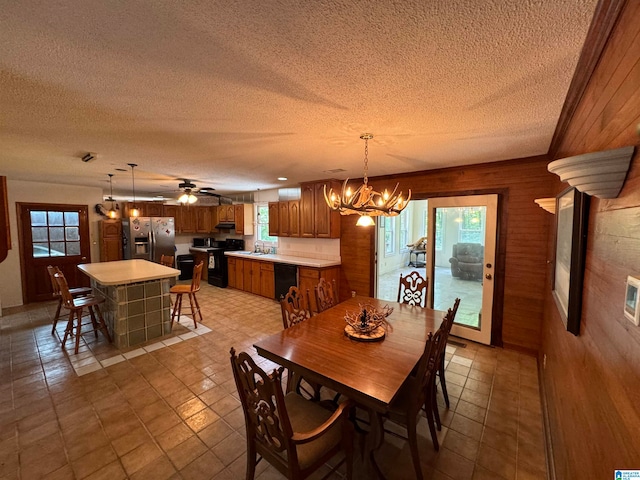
{"x": 427, "y": 366}
{"x": 412, "y": 289}
{"x": 54, "y": 283}
{"x": 266, "y": 418}
{"x": 326, "y": 294}
{"x": 167, "y": 260}
{"x": 294, "y": 309}
{"x": 63, "y": 288}
{"x": 197, "y": 275}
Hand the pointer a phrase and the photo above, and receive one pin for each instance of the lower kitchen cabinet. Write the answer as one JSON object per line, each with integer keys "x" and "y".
{"x": 251, "y": 276}
{"x": 308, "y": 278}
{"x": 267, "y": 280}
{"x": 231, "y": 270}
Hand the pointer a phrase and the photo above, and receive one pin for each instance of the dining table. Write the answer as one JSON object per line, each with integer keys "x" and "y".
{"x": 368, "y": 372}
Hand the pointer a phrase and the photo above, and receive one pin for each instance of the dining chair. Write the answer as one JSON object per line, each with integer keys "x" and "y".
{"x": 190, "y": 291}
{"x": 447, "y": 323}
{"x": 415, "y": 395}
{"x": 76, "y": 306}
{"x": 412, "y": 289}
{"x": 75, "y": 292}
{"x": 167, "y": 260}
{"x": 326, "y": 294}
{"x": 294, "y": 311}
{"x": 293, "y": 434}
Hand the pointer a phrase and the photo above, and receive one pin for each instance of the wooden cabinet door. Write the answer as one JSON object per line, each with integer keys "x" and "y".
{"x": 170, "y": 211}
{"x": 294, "y": 218}
{"x": 267, "y": 280}
{"x": 240, "y": 273}
{"x": 110, "y": 240}
{"x": 222, "y": 213}
{"x": 283, "y": 219}
{"x": 230, "y": 213}
{"x": 238, "y": 214}
{"x": 307, "y": 228}
{"x": 274, "y": 223}
{"x": 153, "y": 209}
{"x": 231, "y": 270}
{"x": 188, "y": 219}
{"x": 203, "y": 219}
{"x": 308, "y": 278}
{"x": 255, "y": 277}
{"x": 321, "y": 213}
{"x": 246, "y": 278}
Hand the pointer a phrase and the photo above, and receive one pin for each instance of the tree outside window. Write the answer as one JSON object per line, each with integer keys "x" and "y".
{"x": 472, "y": 225}
{"x": 404, "y": 231}
{"x": 262, "y": 224}
{"x": 390, "y": 235}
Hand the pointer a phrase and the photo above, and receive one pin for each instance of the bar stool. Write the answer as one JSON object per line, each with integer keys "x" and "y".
{"x": 190, "y": 290}
{"x": 75, "y": 307}
{"x": 75, "y": 292}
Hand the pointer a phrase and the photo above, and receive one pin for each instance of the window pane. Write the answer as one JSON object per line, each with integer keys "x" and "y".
{"x": 71, "y": 218}
{"x": 72, "y": 233}
{"x": 40, "y": 250}
{"x": 39, "y": 234}
{"x": 57, "y": 249}
{"x": 38, "y": 218}
{"x": 73, "y": 248}
{"x": 56, "y": 234}
{"x": 55, "y": 218}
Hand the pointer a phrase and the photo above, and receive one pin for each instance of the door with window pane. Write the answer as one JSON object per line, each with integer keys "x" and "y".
{"x": 461, "y": 261}
{"x": 52, "y": 235}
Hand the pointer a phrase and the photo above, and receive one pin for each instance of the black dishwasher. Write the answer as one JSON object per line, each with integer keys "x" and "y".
{"x": 286, "y": 276}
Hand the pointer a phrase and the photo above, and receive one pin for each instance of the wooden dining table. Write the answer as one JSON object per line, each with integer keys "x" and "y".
{"x": 370, "y": 373}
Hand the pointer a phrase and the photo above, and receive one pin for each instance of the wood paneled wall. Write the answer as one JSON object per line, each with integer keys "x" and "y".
{"x": 520, "y": 267}
{"x": 592, "y": 382}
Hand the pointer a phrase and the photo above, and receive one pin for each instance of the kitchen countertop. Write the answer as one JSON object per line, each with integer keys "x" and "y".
{"x": 275, "y": 258}
{"x": 199, "y": 249}
{"x": 123, "y": 272}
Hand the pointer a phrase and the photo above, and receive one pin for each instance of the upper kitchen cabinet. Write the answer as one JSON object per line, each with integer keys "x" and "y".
{"x": 294, "y": 218}
{"x": 317, "y": 220}
{"x": 171, "y": 211}
{"x": 110, "y": 240}
{"x": 226, "y": 213}
{"x": 152, "y": 209}
{"x": 243, "y": 218}
{"x": 274, "y": 219}
{"x": 145, "y": 209}
{"x": 283, "y": 219}
{"x": 204, "y": 223}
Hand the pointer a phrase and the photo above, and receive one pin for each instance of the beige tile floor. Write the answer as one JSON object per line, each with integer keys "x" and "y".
{"x": 172, "y": 412}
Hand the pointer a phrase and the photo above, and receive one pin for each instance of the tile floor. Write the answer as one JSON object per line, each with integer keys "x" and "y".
{"x": 172, "y": 412}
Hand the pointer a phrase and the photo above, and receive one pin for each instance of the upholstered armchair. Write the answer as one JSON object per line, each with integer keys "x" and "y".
{"x": 466, "y": 261}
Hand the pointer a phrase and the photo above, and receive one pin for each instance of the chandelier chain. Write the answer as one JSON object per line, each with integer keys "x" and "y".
{"x": 366, "y": 160}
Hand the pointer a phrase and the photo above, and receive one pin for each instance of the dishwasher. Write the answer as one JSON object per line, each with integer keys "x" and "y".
{"x": 286, "y": 276}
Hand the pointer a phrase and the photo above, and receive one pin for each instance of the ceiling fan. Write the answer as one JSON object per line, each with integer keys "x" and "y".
{"x": 190, "y": 190}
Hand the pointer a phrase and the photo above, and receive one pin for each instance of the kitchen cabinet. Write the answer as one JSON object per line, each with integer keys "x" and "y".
{"x": 110, "y": 240}
{"x": 226, "y": 213}
{"x": 203, "y": 219}
{"x": 317, "y": 220}
{"x": 231, "y": 271}
{"x": 186, "y": 219}
{"x": 251, "y": 276}
{"x": 243, "y": 214}
{"x": 283, "y": 219}
{"x": 240, "y": 273}
{"x": 274, "y": 222}
{"x": 152, "y": 209}
{"x": 267, "y": 280}
{"x": 294, "y": 218}
{"x": 171, "y": 211}
{"x": 309, "y": 277}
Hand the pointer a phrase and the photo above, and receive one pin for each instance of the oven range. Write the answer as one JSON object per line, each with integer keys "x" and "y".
{"x": 218, "y": 273}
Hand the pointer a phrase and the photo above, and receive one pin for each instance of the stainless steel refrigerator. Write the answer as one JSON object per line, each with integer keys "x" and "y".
{"x": 148, "y": 237}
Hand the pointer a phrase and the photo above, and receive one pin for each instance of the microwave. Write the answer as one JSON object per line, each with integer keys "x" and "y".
{"x": 202, "y": 242}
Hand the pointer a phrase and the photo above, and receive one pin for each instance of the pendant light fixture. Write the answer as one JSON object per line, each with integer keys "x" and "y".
{"x": 112, "y": 211}
{"x": 365, "y": 201}
{"x": 133, "y": 212}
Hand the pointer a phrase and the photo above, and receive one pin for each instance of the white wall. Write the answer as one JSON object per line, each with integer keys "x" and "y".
{"x": 32, "y": 192}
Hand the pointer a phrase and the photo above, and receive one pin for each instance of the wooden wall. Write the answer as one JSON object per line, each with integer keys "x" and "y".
{"x": 592, "y": 382}
{"x": 520, "y": 266}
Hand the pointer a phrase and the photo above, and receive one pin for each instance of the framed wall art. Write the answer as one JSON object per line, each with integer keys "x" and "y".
{"x": 572, "y": 219}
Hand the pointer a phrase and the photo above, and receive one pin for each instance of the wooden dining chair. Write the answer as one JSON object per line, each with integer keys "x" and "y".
{"x": 294, "y": 435}
{"x": 412, "y": 289}
{"x": 76, "y": 306}
{"x": 326, "y": 294}
{"x": 167, "y": 260}
{"x": 415, "y": 395}
{"x": 447, "y": 323}
{"x": 190, "y": 291}
{"x": 295, "y": 310}
{"x": 75, "y": 292}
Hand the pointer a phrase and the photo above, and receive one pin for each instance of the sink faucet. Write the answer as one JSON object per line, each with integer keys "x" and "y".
{"x": 257, "y": 247}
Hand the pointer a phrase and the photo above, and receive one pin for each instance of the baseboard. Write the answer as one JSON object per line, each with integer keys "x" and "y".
{"x": 546, "y": 426}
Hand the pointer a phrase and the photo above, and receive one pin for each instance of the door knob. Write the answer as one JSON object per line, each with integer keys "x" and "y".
{"x": 488, "y": 276}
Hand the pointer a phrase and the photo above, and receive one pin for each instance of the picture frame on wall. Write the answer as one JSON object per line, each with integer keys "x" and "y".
{"x": 572, "y": 219}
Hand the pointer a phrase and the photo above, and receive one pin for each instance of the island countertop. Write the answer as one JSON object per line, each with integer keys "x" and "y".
{"x": 275, "y": 258}
{"x": 123, "y": 272}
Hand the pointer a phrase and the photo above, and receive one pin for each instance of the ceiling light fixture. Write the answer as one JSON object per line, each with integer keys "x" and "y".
{"x": 283, "y": 179}
{"x": 112, "y": 211}
{"x": 187, "y": 197}
{"x": 365, "y": 201}
{"x": 134, "y": 212}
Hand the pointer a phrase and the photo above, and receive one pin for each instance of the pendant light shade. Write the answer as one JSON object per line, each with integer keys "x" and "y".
{"x": 112, "y": 211}
{"x": 133, "y": 212}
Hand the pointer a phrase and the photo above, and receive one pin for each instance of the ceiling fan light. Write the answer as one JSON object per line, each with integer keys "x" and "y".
{"x": 192, "y": 198}
{"x": 184, "y": 198}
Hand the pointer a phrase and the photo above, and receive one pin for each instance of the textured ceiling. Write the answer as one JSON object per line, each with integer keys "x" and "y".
{"x": 235, "y": 93}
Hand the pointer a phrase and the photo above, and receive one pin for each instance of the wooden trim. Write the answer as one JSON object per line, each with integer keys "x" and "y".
{"x": 5, "y": 238}
{"x": 604, "y": 19}
{"x": 546, "y": 424}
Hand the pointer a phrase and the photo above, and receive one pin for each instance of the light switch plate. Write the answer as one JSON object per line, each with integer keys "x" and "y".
{"x": 631, "y": 300}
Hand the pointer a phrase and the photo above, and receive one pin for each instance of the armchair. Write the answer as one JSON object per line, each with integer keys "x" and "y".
{"x": 467, "y": 261}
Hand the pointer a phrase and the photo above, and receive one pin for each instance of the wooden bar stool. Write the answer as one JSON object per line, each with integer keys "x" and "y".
{"x": 75, "y": 292}
{"x": 76, "y": 307}
{"x": 190, "y": 290}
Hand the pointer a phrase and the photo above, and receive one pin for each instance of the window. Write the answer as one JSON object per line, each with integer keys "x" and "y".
{"x": 55, "y": 233}
{"x": 439, "y": 228}
{"x": 390, "y": 235}
{"x": 404, "y": 231}
{"x": 472, "y": 225}
{"x": 262, "y": 224}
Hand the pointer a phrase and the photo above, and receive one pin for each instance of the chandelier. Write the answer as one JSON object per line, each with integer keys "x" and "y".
{"x": 365, "y": 201}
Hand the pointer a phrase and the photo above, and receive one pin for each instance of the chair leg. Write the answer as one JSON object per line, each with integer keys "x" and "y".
{"x": 251, "y": 459}
{"x": 102, "y": 325}
{"x": 193, "y": 310}
{"x": 195, "y": 299}
{"x": 443, "y": 383}
{"x": 94, "y": 323}
{"x": 428, "y": 409}
{"x": 436, "y": 412}
{"x": 78, "y": 329}
{"x": 413, "y": 445}
{"x": 55, "y": 318}
{"x": 68, "y": 329}
{"x": 177, "y": 307}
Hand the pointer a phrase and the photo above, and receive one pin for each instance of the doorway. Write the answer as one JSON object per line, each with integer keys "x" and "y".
{"x": 461, "y": 256}
{"x": 55, "y": 235}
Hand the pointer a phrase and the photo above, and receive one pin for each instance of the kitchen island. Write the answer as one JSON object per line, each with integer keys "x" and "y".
{"x": 137, "y": 304}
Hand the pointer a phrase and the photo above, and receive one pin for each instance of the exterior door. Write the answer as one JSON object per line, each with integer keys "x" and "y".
{"x": 52, "y": 235}
{"x": 461, "y": 252}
